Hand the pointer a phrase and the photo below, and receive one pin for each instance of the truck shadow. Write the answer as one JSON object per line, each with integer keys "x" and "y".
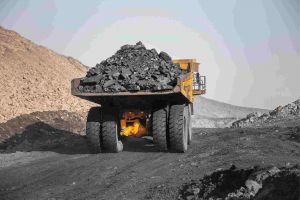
{"x": 43, "y": 137}
{"x": 144, "y": 144}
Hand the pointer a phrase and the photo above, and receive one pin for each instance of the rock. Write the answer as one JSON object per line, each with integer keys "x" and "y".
{"x": 253, "y": 186}
{"x": 109, "y": 83}
{"x": 196, "y": 191}
{"x": 276, "y": 110}
{"x": 127, "y": 46}
{"x": 92, "y": 79}
{"x": 98, "y": 88}
{"x": 126, "y": 72}
{"x": 190, "y": 197}
{"x": 163, "y": 55}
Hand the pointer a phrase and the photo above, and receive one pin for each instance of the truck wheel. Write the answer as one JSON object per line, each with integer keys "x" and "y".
{"x": 189, "y": 125}
{"x": 110, "y": 130}
{"x": 93, "y": 128}
{"x": 178, "y": 130}
{"x": 159, "y": 128}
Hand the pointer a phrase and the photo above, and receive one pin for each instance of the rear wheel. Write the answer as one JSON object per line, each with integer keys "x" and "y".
{"x": 110, "y": 130}
{"x": 189, "y": 125}
{"x": 93, "y": 129}
{"x": 159, "y": 128}
{"x": 178, "y": 128}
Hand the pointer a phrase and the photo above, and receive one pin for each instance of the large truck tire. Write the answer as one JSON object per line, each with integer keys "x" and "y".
{"x": 110, "y": 130}
{"x": 159, "y": 128}
{"x": 178, "y": 130}
{"x": 93, "y": 129}
{"x": 189, "y": 125}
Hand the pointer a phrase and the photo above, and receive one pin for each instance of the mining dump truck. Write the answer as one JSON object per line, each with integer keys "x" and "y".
{"x": 164, "y": 115}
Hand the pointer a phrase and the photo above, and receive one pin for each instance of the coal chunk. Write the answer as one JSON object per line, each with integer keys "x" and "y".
{"x": 92, "y": 79}
{"x": 163, "y": 55}
{"x": 132, "y": 68}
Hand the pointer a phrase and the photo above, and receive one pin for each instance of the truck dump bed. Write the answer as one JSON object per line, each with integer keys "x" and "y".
{"x": 188, "y": 85}
{"x": 183, "y": 88}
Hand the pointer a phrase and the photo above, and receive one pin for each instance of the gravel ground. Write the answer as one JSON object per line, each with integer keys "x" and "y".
{"x": 268, "y": 183}
{"x": 33, "y": 170}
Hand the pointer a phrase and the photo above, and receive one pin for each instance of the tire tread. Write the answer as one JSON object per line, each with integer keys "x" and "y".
{"x": 176, "y": 128}
{"x": 93, "y": 130}
{"x": 159, "y": 129}
{"x": 109, "y": 137}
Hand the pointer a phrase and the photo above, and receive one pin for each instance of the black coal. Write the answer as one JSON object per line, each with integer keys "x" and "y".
{"x": 132, "y": 68}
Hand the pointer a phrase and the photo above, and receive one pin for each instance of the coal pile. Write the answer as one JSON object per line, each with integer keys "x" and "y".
{"x": 256, "y": 183}
{"x": 132, "y": 68}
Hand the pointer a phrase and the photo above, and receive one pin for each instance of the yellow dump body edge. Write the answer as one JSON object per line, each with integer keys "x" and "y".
{"x": 185, "y": 85}
{"x": 182, "y": 87}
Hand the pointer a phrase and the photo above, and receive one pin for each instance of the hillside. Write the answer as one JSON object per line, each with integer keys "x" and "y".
{"x": 210, "y": 113}
{"x": 216, "y": 109}
{"x": 34, "y": 78}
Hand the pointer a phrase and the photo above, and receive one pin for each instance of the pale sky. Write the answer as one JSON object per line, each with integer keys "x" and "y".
{"x": 249, "y": 50}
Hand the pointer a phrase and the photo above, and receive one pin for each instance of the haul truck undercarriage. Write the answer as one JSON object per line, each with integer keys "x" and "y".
{"x": 164, "y": 115}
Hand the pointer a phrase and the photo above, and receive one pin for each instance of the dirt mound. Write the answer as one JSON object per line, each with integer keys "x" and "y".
{"x": 59, "y": 131}
{"x": 34, "y": 78}
{"x": 255, "y": 183}
{"x": 279, "y": 116}
{"x": 62, "y": 120}
{"x": 132, "y": 68}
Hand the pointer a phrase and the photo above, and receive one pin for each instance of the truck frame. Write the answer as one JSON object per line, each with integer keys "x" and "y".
{"x": 164, "y": 115}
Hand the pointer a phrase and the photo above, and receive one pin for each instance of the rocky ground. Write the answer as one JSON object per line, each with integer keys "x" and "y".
{"x": 47, "y": 160}
{"x": 287, "y": 115}
{"x": 268, "y": 183}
